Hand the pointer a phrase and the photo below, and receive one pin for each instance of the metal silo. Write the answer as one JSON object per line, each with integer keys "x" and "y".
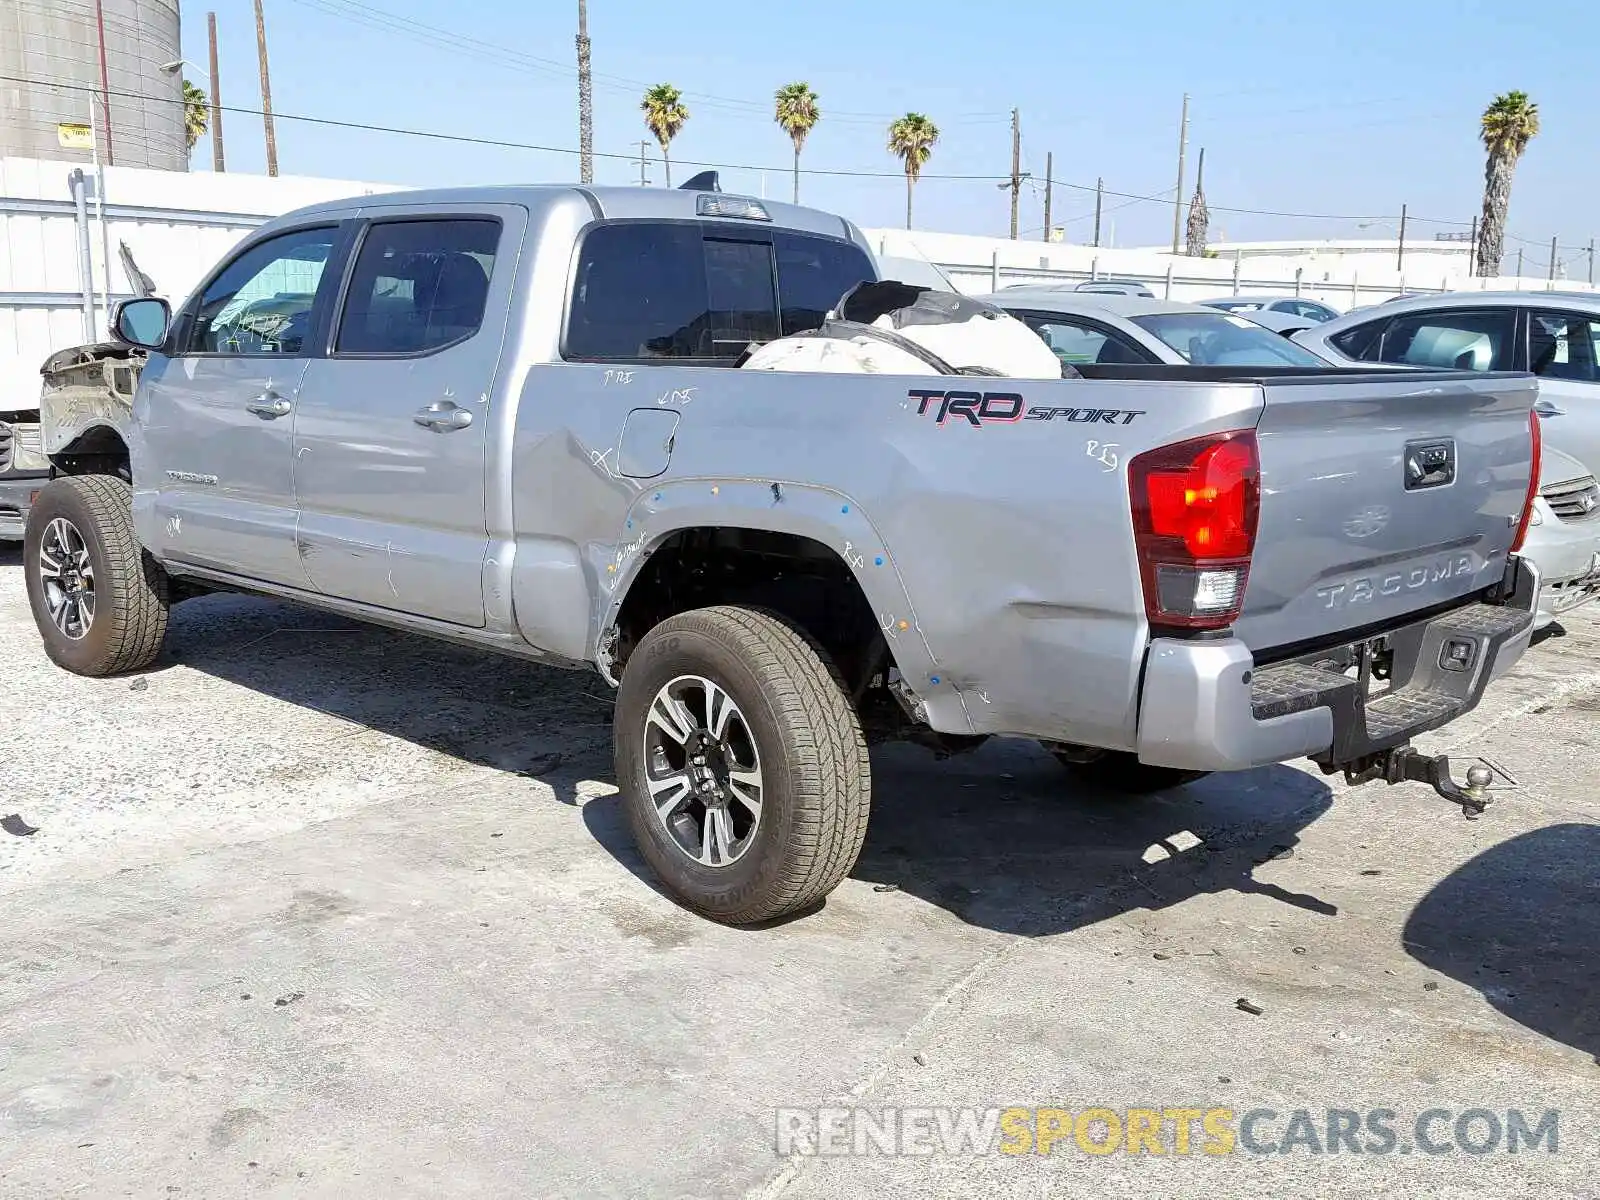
{"x": 52, "y": 75}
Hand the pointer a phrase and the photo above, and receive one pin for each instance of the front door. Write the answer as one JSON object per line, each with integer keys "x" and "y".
{"x": 217, "y": 417}
{"x": 392, "y": 427}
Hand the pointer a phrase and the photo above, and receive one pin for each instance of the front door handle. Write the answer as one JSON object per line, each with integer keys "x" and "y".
{"x": 1548, "y": 408}
{"x": 269, "y": 406}
{"x": 443, "y": 416}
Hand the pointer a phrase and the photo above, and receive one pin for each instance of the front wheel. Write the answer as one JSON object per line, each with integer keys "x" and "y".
{"x": 742, "y": 764}
{"x": 1119, "y": 771}
{"x": 99, "y": 600}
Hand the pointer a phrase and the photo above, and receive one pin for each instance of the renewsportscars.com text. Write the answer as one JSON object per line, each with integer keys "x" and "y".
{"x": 1175, "y": 1131}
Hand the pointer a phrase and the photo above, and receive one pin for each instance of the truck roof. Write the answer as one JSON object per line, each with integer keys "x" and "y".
{"x": 608, "y": 203}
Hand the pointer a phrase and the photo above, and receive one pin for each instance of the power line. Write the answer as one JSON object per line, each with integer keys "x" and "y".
{"x": 432, "y": 35}
{"x": 1132, "y": 198}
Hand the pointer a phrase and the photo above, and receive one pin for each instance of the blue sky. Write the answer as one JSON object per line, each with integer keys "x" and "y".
{"x": 1348, "y": 109}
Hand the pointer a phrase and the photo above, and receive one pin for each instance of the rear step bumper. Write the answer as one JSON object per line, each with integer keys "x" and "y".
{"x": 1205, "y": 707}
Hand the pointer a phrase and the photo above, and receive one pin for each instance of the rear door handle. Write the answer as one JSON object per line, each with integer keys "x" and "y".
{"x": 1547, "y": 408}
{"x": 270, "y": 406}
{"x": 443, "y": 416}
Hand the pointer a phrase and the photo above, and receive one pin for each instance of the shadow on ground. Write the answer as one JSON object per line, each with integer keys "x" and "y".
{"x": 1521, "y": 924}
{"x": 1003, "y": 838}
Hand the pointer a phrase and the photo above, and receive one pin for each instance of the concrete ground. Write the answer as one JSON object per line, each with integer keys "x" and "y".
{"x": 317, "y": 910}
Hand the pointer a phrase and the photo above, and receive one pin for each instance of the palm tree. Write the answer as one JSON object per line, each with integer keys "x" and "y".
{"x": 1507, "y": 126}
{"x": 196, "y": 115}
{"x": 664, "y": 114}
{"x": 1199, "y": 214}
{"x": 798, "y": 114}
{"x": 912, "y": 138}
{"x": 585, "y": 99}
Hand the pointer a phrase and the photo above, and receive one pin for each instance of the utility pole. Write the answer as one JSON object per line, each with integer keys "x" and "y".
{"x": 1099, "y": 200}
{"x": 1551, "y": 278}
{"x": 1016, "y": 168}
{"x": 585, "y": 99}
{"x": 1049, "y": 180}
{"x": 1519, "y": 262}
{"x": 1400, "y": 254}
{"x": 217, "y": 162}
{"x": 1472, "y": 248}
{"x": 1591, "y": 262}
{"x": 105, "y": 80}
{"x": 643, "y": 146}
{"x": 1177, "y": 199}
{"x": 266, "y": 92}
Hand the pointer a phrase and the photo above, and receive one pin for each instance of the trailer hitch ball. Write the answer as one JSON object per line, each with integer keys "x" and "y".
{"x": 1479, "y": 777}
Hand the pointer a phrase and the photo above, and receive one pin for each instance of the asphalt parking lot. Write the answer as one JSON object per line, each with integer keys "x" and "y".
{"x": 314, "y": 909}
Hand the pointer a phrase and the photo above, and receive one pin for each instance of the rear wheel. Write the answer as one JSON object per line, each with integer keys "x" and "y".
{"x": 741, "y": 763}
{"x": 99, "y": 600}
{"x": 1119, "y": 771}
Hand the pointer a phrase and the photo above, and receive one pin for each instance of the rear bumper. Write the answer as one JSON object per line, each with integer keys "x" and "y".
{"x": 16, "y": 497}
{"x": 1205, "y": 707}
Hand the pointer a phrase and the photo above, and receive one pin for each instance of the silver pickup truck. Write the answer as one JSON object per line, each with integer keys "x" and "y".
{"x": 506, "y": 417}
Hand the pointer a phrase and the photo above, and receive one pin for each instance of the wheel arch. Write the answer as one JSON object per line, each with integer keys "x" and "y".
{"x": 99, "y": 448}
{"x": 679, "y": 538}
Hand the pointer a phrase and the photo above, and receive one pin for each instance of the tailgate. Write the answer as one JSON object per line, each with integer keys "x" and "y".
{"x": 1381, "y": 495}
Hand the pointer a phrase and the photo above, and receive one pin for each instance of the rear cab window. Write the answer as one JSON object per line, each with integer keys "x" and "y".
{"x": 686, "y": 291}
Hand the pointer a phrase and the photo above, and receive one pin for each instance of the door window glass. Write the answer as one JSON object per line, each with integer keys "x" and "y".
{"x": 261, "y": 302}
{"x": 1452, "y": 340}
{"x": 1562, "y": 346}
{"x": 418, "y": 286}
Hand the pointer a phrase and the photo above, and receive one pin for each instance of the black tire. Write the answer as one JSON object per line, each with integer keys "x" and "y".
{"x": 816, "y": 779}
{"x": 129, "y": 588}
{"x": 1119, "y": 771}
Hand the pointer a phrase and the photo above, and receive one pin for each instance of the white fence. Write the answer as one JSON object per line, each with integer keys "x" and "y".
{"x": 62, "y": 226}
{"x": 978, "y": 265}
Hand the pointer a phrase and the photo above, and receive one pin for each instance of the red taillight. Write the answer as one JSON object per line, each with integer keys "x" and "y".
{"x": 1537, "y": 437}
{"x": 1195, "y": 507}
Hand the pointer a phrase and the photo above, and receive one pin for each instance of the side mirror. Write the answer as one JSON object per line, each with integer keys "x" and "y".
{"x": 142, "y": 322}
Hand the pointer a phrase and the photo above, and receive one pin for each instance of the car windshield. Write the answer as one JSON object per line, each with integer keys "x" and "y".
{"x": 1234, "y": 305}
{"x": 1220, "y": 340}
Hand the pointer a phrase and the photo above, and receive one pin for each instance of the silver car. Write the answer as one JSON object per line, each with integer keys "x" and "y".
{"x": 1296, "y": 306}
{"x": 1564, "y": 536}
{"x": 1090, "y": 327}
{"x": 1556, "y": 335}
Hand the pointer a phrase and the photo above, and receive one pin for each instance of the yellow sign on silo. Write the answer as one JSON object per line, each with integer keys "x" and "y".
{"x": 74, "y": 137}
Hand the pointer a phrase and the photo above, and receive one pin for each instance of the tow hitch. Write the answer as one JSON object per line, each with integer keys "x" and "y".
{"x": 1406, "y": 765}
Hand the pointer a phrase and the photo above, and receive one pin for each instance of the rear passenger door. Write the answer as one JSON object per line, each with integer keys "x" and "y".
{"x": 393, "y": 425}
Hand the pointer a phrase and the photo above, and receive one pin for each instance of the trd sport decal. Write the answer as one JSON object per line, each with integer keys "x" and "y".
{"x": 1007, "y": 408}
{"x": 979, "y": 408}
